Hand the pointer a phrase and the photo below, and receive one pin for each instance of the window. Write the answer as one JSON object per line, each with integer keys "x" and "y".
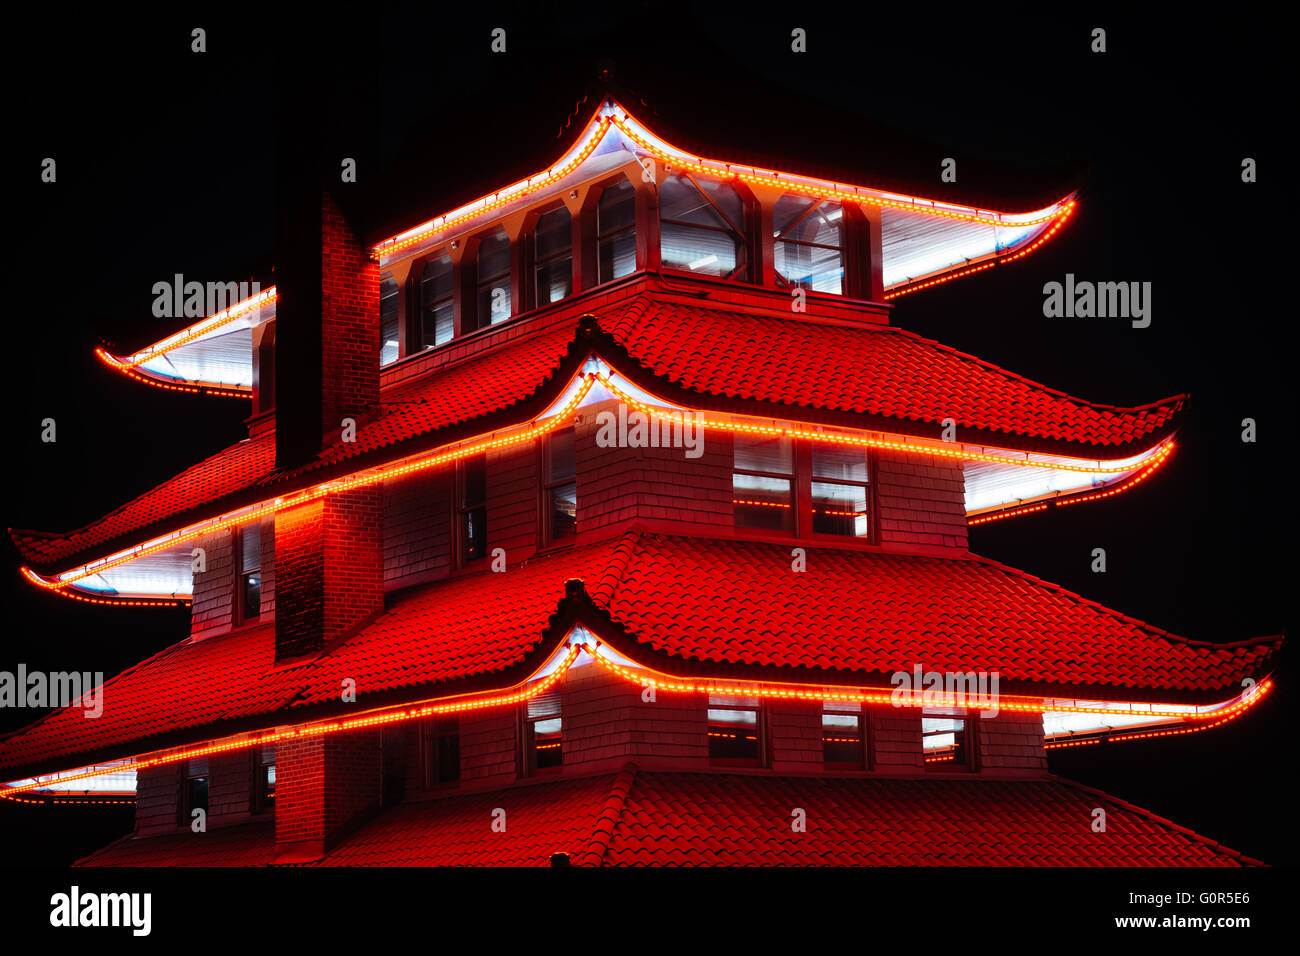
{"x": 839, "y": 490}
{"x": 702, "y": 227}
{"x": 388, "y": 321}
{"x": 945, "y": 738}
{"x": 194, "y": 790}
{"x": 248, "y": 579}
{"x": 616, "y": 231}
{"x": 553, "y": 256}
{"x": 543, "y": 743}
{"x": 560, "y": 486}
{"x": 762, "y": 483}
{"x": 437, "y": 302}
{"x": 263, "y": 792}
{"x": 493, "y": 279}
{"x": 471, "y": 507}
{"x": 844, "y": 736}
{"x": 735, "y": 732}
{"x": 809, "y": 243}
{"x": 440, "y": 751}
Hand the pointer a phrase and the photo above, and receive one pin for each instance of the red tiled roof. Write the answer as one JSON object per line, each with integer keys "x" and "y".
{"x": 869, "y": 376}
{"x": 875, "y": 370}
{"x": 702, "y": 819}
{"x": 683, "y": 604}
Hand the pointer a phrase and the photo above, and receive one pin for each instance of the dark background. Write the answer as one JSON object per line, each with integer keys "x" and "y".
{"x": 166, "y": 164}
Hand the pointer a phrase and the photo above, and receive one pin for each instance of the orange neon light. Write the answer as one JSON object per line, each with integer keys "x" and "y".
{"x": 523, "y": 692}
{"x": 215, "y": 321}
{"x": 818, "y": 188}
{"x": 1144, "y": 472}
{"x": 447, "y": 453}
{"x": 924, "y": 698}
{"x": 375, "y": 718}
{"x": 1002, "y": 260}
{"x": 201, "y": 389}
{"x": 797, "y": 431}
{"x": 441, "y": 456}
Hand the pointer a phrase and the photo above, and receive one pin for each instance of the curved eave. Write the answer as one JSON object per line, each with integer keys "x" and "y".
{"x": 158, "y": 570}
{"x": 924, "y": 241}
{"x": 574, "y": 633}
{"x": 211, "y": 357}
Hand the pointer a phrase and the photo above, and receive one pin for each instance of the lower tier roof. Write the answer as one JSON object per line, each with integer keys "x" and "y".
{"x": 691, "y": 607}
{"x": 638, "y": 818}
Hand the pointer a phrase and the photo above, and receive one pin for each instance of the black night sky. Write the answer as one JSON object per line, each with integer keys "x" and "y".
{"x": 166, "y": 164}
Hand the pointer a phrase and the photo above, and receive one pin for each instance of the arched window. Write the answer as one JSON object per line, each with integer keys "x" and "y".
{"x": 809, "y": 247}
{"x": 437, "y": 303}
{"x": 493, "y": 279}
{"x": 553, "y": 256}
{"x": 702, "y": 227}
{"x": 616, "y": 231}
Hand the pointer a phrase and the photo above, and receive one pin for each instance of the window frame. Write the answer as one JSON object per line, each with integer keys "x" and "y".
{"x": 397, "y": 318}
{"x": 761, "y": 732}
{"x": 744, "y": 271}
{"x": 968, "y": 762}
{"x": 801, "y": 504}
{"x": 261, "y": 799}
{"x": 528, "y": 738}
{"x": 239, "y": 610}
{"x": 430, "y": 750}
{"x": 781, "y": 281}
{"x": 537, "y": 262}
{"x": 460, "y": 510}
{"x": 185, "y": 805}
{"x": 546, "y": 485}
{"x": 599, "y": 237}
{"x": 482, "y": 319}
{"x": 422, "y": 308}
{"x": 863, "y": 749}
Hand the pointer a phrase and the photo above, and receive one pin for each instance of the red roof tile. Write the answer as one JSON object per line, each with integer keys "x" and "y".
{"x": 869, "y": 376}
{"x": 703, "y": 819}
{"x": 680, "y": 603}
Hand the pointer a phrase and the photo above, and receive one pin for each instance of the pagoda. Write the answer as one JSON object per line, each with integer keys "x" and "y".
{"x": 611, "y": 519}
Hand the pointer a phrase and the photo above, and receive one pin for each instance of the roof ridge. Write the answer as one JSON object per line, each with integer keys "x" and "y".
{"x": 609, "y": 816}
{"x": 616, "y": 567}
{"x": 1162, "y": 821}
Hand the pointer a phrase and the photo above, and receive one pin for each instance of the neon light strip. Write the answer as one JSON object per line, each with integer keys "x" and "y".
{"x": 615, "y": 116}
{"x": 635, "y": 675}
{"x": 995, "y": 260}
{"x": 944, "y": 450}
{"x": 538, "y": 427}
{"x": 406, "y": 466}
{"x": 213, "y": 322}
{"x": 374, "y": 718}
{"x": 645, "y": 676}
{"x": 1072, "y": 498}
{"x": 225, "y": 391}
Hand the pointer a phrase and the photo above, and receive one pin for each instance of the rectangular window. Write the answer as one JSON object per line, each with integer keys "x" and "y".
{"x": 493, "y": 279}
{"x": 809, "y": 247}
{"x": 471, "y": 507}
{"x": 762, "y": 483}
{"x": 560, "y": 486}
{"x": 945, "y": 738}
{"x": 616, "y": 231}
{"x": 437, "y": 302}
{"x": 702, "y": 227}
{"x": 263, "y": 778}
{"x": 844, "y": 739}
{"x": 440, "y": 751}
{"x": 388, "y": 321}
{"x": 543, "y": 740}
{"x": 735, "y": 731}
{"x": 839, "y": 490}
{"x": 553, "y": 256}
{"x": 248, "y": 551}
{"x": 194, "y": 790}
